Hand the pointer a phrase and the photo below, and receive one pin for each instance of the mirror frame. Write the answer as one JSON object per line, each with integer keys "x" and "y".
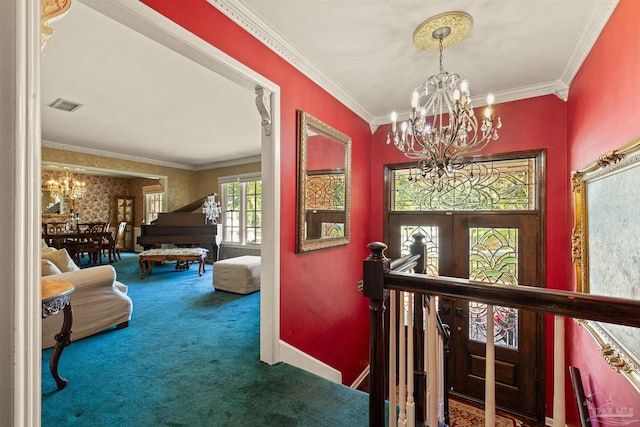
{"x": 602, "y": 178}
{"x": 306, "y": 121}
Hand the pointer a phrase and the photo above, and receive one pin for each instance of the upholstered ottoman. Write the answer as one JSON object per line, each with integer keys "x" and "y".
{"x": 240, "y": 275}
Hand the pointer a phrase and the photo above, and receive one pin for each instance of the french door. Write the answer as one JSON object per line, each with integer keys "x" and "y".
{"x": 491, "y": 246}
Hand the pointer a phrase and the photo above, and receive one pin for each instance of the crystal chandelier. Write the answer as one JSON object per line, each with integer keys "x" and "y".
{"x": 66, "y": 186}
{"x": 211, "y": 209}
{"x": 442, "y": 127}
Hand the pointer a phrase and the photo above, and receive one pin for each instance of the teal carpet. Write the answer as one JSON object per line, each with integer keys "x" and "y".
{"x": 190, "y": 357}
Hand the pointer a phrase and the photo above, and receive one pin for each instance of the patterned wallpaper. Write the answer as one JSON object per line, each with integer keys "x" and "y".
{"x": 183, "y": 186}
{"x": 98, "y": 204}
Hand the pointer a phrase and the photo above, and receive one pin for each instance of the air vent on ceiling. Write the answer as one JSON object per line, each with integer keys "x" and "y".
{"x": 64, "y": 105}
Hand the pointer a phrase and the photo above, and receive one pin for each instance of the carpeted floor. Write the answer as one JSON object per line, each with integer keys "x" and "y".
{"x": 190, "y": 357}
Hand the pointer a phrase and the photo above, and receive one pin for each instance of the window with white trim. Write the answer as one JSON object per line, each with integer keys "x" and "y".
{"x": 241, "y": 200}
{"x": 153, "y": 197}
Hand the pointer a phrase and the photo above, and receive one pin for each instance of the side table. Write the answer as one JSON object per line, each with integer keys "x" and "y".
{"x": 56, "y": 296}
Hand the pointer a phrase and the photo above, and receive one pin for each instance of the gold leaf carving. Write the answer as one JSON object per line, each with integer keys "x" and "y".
{"x": 576, "y": 180}
{"x": 613, "y": 359}
{"x": 51, "y": 11}
{"x": 609, "y": 158}
{"x": 576, "y": 245}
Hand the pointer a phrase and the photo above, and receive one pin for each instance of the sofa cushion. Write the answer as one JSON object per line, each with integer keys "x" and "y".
{"x": 49, "y": 268}
{"x": 62, "y": 260}
{"x": 48, "y": 251}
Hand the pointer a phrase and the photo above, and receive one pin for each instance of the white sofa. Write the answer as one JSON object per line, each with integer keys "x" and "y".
{"x": 98, "y": 301}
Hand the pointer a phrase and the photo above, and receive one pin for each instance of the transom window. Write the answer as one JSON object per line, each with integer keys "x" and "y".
{"x": 482, "y": 186}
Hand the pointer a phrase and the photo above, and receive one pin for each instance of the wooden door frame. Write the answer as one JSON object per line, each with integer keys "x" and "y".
{"x": 541, "y": 206}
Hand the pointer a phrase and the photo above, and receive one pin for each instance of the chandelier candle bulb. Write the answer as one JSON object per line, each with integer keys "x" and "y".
{"x": 414, "y": 100}
{"x": 394, "y": 118}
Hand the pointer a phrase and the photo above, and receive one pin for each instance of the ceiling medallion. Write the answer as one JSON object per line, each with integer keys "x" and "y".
{"x": 456, "y": 25}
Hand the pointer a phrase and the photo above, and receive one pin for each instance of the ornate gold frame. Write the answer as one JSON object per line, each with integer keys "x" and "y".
{"x": 619, "y": 356}
{"x": 303, "y": 244}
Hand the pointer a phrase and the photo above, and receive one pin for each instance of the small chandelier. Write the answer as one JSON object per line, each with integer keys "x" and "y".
{"x": 211, "y": 209}
{"x": 442, "y": 127}
{"x": 66, "y": 186}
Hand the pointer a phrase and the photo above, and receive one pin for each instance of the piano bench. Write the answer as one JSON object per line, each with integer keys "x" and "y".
{"x": 174, "y": 254}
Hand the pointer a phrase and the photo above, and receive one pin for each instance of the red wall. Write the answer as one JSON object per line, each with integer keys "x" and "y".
{"x": 533, "y": 123}
{"x": 603, "y": 115}
{"x": 322, "y": 313}
{"x": 324, "y": 153}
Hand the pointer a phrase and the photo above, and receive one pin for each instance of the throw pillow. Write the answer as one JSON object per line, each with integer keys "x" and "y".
{"x": 49, "y": 268}
{"x": 62, "y": 260}
{"x": 48, "y": 251}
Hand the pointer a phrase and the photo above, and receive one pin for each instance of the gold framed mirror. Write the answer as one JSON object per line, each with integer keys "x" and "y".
{"x": 605, "y": 246}
{"x": 324, "y": 185}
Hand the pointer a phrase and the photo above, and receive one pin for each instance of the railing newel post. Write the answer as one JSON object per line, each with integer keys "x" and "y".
{"x": 374, "y": 268}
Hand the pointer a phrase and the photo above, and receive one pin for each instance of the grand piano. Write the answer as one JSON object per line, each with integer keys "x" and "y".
{"x": 183, "y": 227}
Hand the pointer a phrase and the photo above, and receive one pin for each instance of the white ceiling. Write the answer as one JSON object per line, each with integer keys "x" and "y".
{"x": 139, "y": 98}
{"x": 360, "y": 51}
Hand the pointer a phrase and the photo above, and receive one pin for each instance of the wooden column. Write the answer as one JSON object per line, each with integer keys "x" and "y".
{"x": 374, "y": 269}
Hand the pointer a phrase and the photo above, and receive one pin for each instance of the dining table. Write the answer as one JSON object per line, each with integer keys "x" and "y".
{"x": 71, "y": 239}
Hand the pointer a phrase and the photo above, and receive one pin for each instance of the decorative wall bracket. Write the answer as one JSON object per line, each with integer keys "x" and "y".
{"x": 51, "y": 11}
{"x": 263, "y": 102}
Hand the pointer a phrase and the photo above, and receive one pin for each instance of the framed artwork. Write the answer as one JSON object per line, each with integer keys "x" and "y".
{"x": 606, "y": 247}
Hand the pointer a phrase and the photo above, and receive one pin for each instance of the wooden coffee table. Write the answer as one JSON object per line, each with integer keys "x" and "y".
{"x": 180, "y": 255}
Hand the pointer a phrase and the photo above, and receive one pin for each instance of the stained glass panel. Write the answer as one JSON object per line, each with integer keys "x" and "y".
{"x": 482, "y": 186}
{"x": 430, "y": 242}
{"x": 332, "y": 229}
{"x": 493, "y": 258}
{"x": 325, "y": 192}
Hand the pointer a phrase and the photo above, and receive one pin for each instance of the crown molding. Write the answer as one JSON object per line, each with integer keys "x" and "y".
{"x": 598, "y": 17}
{"x": 228, "y": 163}
{"x": 94, "y": 152}
{"x": 242, "y": 15}
{"x": 102, "y": 153}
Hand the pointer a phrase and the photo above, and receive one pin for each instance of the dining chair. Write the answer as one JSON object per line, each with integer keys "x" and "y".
{"x": 89, "y": 241}
{"x": 119, "y": 239}
{"x": 49, "y": 229}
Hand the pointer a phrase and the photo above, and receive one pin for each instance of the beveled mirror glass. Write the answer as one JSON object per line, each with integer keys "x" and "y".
{"x": 324, "y": 178}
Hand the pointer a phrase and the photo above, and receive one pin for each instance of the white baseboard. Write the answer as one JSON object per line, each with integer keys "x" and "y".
{"x": 361, "y": 377}
{"x": 297, "y": 358}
